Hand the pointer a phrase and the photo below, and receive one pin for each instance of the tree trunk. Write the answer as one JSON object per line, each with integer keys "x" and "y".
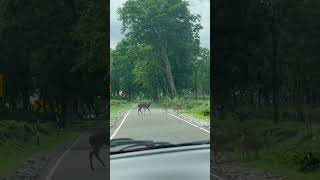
{"x": 275, "y": 78}
{"x": 168, "y": 69}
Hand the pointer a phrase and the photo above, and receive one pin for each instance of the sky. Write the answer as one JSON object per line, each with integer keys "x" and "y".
{"x": 201, "y": 7}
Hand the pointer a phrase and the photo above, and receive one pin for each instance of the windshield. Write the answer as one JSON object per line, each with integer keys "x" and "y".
{"x": 159, "y": 74}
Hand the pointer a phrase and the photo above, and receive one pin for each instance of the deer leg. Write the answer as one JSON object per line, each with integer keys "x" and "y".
{"x": 96, "y": 153}
{"x": 149, "y": 110}
{"x": 90, "y": 155}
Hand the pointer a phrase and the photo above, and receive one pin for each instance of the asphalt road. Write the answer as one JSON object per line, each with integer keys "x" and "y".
{"x": 74, "y": 163}
{"x": 157, "y": 127}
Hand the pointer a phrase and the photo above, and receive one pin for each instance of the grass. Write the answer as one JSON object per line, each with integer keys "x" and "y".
{"x": 117, "y": 105}
{"x": 200, "y": 108}
{"x": 197, "y": 113}
{"x": 13, "y": 152}
{"x": 284, "y": 148}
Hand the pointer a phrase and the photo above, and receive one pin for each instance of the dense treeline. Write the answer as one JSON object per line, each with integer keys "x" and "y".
{"x": 160, "y": 54}
{"x": 265, "y": 54}
{"x": 57, "y": 48}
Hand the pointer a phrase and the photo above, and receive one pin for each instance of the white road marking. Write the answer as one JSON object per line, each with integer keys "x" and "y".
{"x": 49, "y": 177}
{"x": 116, "y": 131}
{"x": 219, "y": 178}
{"x": 189, "y": 123}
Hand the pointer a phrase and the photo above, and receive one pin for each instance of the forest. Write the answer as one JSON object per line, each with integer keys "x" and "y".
{"x": 265, "y": 82}
{"x": 53, "y": 54}
{"x": 57, "y": 50}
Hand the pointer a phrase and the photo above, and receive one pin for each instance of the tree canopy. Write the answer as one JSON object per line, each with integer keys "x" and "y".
{"x": 160, "y": 50}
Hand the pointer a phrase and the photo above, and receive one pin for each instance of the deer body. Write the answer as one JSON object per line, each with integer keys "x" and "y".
{"x": 145, "y": 106}
{"x": 249, "y": 143}
{"x": 177, "y": 107}
{"x": 97, "y": 140}
{"x": 165, "y": 107}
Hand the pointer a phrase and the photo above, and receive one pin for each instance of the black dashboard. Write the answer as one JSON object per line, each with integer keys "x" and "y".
{"x": 175, "y": 163}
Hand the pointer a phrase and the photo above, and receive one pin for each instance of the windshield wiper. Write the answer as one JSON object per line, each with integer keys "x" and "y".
{"x": 146, "y": 145}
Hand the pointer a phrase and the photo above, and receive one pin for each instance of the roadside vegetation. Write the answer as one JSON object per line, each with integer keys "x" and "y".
{"x": 288, "y": 148}
{"x": 50, "y": 67}
{"x": 149, "y": 64}
{"x": 198, "y": 108}
{"x": 18, "y": 142}
{"x": 266, "y": 84}
{"x": 118, "y": 105}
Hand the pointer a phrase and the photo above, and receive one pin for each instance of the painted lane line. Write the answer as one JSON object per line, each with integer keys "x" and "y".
{"x": 123, "y": 120}
{"x": 216, "y": 177}
{"x": 50, "y": 175}
{"x": 189, "y": 123}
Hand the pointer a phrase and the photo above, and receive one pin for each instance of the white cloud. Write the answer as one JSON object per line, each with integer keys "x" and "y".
{"x": 201, "y": 7}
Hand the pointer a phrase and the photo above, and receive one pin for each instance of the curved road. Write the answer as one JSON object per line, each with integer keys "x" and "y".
{"x": 74, "y": 162}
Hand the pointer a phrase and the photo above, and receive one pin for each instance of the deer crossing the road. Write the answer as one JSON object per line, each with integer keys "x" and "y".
{"x": 165, "y": 107}
{"x": 177, "y": 108}
{"x": 144, "y": 106}
{"x": 97, "y": 140}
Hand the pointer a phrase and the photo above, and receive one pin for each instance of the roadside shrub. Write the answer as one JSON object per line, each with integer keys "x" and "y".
{"x": 305, "y": 161}
{"x": 20, "y": 131}
{"x": 206, "y": 112}
{"x": 308, "y": 163}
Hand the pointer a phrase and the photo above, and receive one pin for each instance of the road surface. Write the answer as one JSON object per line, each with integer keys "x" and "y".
{"x": 157, "y": 127}
{"x": 74, "y": 163}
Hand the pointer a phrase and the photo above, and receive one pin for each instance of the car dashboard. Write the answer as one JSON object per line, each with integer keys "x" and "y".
{"x": 175, "y": 163}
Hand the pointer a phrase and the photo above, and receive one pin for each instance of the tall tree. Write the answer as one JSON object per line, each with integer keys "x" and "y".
{"x": 166, "y": 25}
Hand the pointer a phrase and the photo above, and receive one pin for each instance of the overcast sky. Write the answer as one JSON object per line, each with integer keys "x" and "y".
{"x": 201, "y": 7}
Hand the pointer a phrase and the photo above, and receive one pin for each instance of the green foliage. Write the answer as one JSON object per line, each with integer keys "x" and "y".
{"x": 117, "y": 105}
{"x": 57, "y": 47}
{"x": 306, "y": 162}
{"x": 157, "y": 31}
{"x": 243, "y": 66}
{"x": 206, "y": 112}
{"x": 11, "y": 130}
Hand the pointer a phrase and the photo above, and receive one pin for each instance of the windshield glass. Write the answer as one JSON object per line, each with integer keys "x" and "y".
{"x": 159, "y": 74}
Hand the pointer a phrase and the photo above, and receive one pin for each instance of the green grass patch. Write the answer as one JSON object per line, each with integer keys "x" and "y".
{"x": 199, "y": 108}
{"x": 198, "y": 113}
{"x": 14, "y": 151}
{"x": 283, "y": 146}
{"x": 117, "y": 105}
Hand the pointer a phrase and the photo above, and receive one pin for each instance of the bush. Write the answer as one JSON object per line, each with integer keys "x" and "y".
{"x": 308, "y": 163}
{"x": 303, "y": 161}
{"x": 20, "y": 131}
{"x": 206, "y": 112}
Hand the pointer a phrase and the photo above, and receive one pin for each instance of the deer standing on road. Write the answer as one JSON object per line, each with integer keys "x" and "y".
{"x": 144, "y": 106}
{"x": 97, "y": 140}
{"x": 176, "y": 108}
{"x": 165, "y": 107}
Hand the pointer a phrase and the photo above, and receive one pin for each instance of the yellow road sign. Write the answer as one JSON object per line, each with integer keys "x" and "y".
{"x": 38, "y": 106}
{"x": 1, "y": 85}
